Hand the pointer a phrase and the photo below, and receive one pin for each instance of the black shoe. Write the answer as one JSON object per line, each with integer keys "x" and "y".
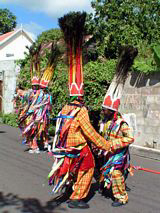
{"x": 101, "y": 188}
{"x": 100, "y": 191}
{"x": 78, "y": 204}
{"x": 128, "y": 189}
{"x": 118, "y": 203}
{"x": 68, "y": 201}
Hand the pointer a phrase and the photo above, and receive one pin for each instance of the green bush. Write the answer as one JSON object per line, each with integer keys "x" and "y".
{"x": 156, "y": 51}
{"x": 146, "y": 61}
{"x": 51, "y": 130}
{"x": 97, "y": 77}
{"x": 9, "y": 119}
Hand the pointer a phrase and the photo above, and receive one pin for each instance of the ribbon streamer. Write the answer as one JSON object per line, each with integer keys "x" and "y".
{"x": 146, "y": 169}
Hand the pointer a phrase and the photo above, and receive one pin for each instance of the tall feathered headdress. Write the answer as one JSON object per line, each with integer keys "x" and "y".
{"x": 115, "y": 90}
{"x": 48, "y": 73}
{"x": 35, "y": 64}
{"x": 72, "y": 26}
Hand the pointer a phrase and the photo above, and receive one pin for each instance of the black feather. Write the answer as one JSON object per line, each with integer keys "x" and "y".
{"x": 53, "y": 58}
{"x": 73, "y": 27}
{"x": 125, "y": 61}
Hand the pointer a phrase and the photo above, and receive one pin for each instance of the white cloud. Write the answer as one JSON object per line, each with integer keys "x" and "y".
{"x": 53, "y": 8}
{"x": 32, "y": 28}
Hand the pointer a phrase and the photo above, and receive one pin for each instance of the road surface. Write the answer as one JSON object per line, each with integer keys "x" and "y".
{"x": 24, "y": 187}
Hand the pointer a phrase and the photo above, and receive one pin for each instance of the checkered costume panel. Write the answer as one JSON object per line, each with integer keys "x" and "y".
{"x": 81, "y": 129}
{"x": 82, "y": 185}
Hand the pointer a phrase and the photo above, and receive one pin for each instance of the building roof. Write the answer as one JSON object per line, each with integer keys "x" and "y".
{"x": 5, "y": 37}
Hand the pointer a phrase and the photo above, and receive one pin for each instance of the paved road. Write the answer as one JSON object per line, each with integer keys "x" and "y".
{"x": 24, "y": 188}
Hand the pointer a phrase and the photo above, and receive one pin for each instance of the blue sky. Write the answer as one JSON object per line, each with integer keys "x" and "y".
{"x": 37, "y": 16}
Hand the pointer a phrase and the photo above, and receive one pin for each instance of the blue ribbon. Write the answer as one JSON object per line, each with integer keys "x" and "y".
{"x": 62, "y": 116}
{"x": 66, "y": 154}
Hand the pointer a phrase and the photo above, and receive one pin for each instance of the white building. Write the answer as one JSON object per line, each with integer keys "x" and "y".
{"x": 12, "y": 47}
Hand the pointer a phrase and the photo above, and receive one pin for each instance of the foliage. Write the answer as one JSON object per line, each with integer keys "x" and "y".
{"x": 156, "y": 51}
{"x": 7, "y": 21}
{"x": 146, "y": 60}
{"x": 24, "y": 78}
{"x": 145, "y": 66}
{"x": 59, "y": 87}
{"x": 9, "y": 119}
{"x": 49, "y": 36}
{"x": 120, "y": 22}
{"x": 97, "y": 76}
{"x": 52, "y": 128}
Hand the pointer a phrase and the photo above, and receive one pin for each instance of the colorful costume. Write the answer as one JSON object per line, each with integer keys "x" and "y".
{"x": 41, "y": 108}
{"x": 26, "y": 118}
{"x": 73, "y": 160}
{"x": 34, "y": 118}
{"x": 115, "y": 130}
{"x": 118, "y": 160}
{"x": 42, "y": 114}
{"x": 31, "y": 127}
{"x": 26, "y": 115}
{"x": 75, "y": 131}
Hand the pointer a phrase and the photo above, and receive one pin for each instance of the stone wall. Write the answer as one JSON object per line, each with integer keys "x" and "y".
{"x": 142, "y": 97}
{"x": 8, "y": 67}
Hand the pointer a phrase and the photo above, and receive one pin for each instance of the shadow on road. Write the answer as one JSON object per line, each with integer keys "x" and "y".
{"x": 92, "y": 192}
{"x": 33, "y": 205}
{"x": 2, "y": 131}
{"x": 28, "y": 205}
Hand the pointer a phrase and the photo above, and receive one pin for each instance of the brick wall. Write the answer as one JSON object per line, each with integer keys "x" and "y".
{"x": 142, "y": 97}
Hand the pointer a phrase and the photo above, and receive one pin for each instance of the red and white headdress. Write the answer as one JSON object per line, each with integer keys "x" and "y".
{"x": 35, "y": 80}
{"x": 72, "y": 26}
{"x": 44, "y": 83}
{"x": 112, "y": 97}
{"x": 115, "y": 90}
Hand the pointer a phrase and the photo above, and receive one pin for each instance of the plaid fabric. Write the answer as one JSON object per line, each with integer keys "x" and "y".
{"x": 83, "y": 184}
{"x": 120, "y": 137}
{"x": 81, "y": 129}
{"x": 118, "y": 186}
{"x": 123, "y": 139}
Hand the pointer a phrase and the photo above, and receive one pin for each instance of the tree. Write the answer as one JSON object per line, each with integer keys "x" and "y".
{"x": 7, "y": 21}
{"x": 49, "y": 35}
{"x": 119, "y": 22}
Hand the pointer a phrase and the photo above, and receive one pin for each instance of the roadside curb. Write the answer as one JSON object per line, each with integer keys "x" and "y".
{"x": 145, "y": 152}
